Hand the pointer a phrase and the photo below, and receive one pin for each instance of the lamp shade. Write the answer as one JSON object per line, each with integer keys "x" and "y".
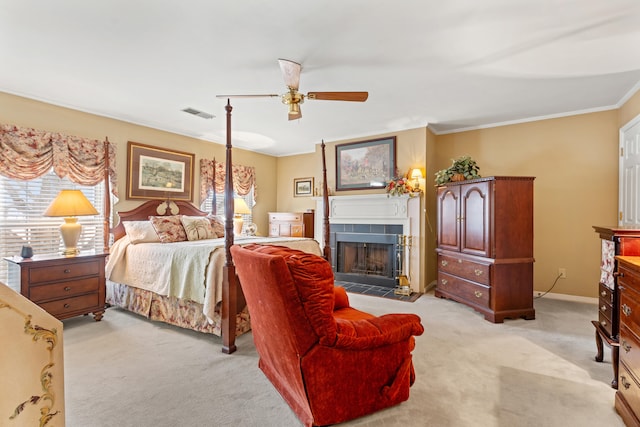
{"x": 70, "y": 203}
{"x": 416, "y": 173}
{"x": 240, "y": 207}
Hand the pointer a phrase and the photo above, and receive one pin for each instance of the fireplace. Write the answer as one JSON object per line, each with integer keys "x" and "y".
{"x": 365, "y": 253}
{"x": 368, "y": 227}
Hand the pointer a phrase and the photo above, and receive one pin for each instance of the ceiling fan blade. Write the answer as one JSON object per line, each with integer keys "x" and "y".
{"x": 339, "y": 96}
{"x": 290, "y": 73}
{"x": 270, "y": 95}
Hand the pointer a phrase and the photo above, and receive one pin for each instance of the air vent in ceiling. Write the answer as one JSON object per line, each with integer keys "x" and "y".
{"x": 198, "y": 113}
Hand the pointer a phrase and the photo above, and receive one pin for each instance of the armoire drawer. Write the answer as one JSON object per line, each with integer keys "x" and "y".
{"x": 470, "y": 270}
{"x": 471, "y": 291}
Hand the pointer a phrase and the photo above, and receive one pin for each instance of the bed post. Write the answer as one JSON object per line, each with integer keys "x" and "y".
{"x": 325, "y": 204}
{"x": 229, "y": 283}
{"x": 214, "y": 200}
{"x": 107, "y": 197}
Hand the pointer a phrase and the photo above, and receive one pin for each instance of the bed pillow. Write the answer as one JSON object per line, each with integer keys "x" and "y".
{"x": 140, "y": 231}
{"x": 197, "y": 227}
{"x": 169, "y": 228}
{"x": 217, "y": 224}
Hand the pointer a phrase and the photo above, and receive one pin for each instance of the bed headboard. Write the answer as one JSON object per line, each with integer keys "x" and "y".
{"x": 155, "y": 208}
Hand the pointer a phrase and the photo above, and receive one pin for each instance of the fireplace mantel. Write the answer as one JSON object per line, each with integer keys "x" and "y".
{"x": 378, "y": 209}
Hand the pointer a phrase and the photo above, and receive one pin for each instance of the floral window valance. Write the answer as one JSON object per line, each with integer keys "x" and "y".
{"x": 29, "y": 153}
{"x": 244, "y": 178}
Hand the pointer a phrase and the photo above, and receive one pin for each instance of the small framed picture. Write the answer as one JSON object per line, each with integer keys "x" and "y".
{"x": 303, "y": 187}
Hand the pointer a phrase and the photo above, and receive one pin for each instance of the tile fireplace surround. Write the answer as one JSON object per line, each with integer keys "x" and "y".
{"x": 378, "y": 209}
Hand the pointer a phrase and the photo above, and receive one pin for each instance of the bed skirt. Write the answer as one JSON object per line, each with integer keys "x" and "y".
{"x": 174, "y": 311}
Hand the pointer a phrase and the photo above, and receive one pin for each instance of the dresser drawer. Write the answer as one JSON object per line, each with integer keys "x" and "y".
{"x": 64, "y": 289}
{"x": 466, "y": 269}
{"x": 470, "y": 291}
{"x": 61, "y": 307}
{"x": 629, "y": 349}
{"x": 629, "y": 308}
{"x": 63, "y": 272}
{"x": 606, "y": 323}
{"x": 628, "y": 387}
{"x": 286, "y": 216}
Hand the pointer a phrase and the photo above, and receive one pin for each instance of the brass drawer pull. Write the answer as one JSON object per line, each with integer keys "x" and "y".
{"x": 624, "y": 382}
{"x": 444, "y": 263}
{"x": 603, "y": 308}
{"x": 67, "y": 288}
{"x": 626, "y": 310}
{"x": 604, "y": 323}
{"x": 459, "y": 261}
{"x": 444, "y": 281}
{"x": 66, "y": 270}
{"x": 603, "y": 293}
{"x": 626, "y": 346}
{"x": 67, "y": 305}
{"x": 478, "y": 272}
{"x": 478, "y": 294}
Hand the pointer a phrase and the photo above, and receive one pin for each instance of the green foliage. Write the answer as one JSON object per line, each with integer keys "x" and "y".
{"x": 463, "y": 165}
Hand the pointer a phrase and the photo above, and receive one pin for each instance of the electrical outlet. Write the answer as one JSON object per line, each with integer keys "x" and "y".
{"x": 562, "y": 272}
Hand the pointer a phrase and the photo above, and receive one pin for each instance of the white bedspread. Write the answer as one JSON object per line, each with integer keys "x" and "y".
{"x": 188, "y": 270}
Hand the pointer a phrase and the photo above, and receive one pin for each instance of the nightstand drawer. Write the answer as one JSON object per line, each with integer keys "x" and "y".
{"x": 69, "y": 305}
{"x": 63, "y": 271}
{"x": 285, "y": 216}
{"x": 64, "y": 289}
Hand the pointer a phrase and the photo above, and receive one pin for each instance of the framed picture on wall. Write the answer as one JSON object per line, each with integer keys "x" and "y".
{"x": 366, "y": 164}
{"x": 159, "y": 173}
{"x": 303, "y": 187}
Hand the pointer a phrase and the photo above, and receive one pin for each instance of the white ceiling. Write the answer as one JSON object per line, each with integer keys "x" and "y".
{"x": 454, "y": 64}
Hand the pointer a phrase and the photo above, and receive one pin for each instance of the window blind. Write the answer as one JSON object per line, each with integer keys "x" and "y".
{"x": 22, "y": 223}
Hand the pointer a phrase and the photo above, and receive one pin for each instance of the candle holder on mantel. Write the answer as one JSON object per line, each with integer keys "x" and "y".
{"x": 402, "y": 281}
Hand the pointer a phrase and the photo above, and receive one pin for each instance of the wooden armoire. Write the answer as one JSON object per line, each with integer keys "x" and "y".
{"x": 485, "y": 245}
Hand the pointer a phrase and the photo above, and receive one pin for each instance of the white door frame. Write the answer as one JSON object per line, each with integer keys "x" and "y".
{"x": 625, "y": 165}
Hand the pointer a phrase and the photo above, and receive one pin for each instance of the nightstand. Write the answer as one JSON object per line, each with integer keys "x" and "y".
{"x": 63, "y": 286}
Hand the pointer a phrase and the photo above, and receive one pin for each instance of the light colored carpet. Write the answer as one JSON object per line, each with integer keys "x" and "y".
{"x": 126, "y": 371}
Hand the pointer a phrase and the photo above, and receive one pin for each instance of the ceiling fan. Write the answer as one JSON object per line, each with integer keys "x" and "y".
{"x": 293, "y": 98}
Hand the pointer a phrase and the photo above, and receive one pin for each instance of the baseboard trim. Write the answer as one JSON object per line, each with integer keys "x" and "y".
{"x": 566, "y": 297}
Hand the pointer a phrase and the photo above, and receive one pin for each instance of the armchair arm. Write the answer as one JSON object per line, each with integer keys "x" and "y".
{"x": 376, "y": 332}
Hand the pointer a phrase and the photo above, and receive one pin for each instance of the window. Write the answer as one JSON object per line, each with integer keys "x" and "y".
{"x": 21, "y": 222}
{"x": 247, "y": 218}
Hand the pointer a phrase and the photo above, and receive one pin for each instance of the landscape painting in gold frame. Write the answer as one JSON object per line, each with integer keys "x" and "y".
{"x": 159, "y": 173}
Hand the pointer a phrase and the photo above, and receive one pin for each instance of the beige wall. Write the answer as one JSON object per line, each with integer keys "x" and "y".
{"x": 575, "y": 162}
{"x": 38, "y": 115}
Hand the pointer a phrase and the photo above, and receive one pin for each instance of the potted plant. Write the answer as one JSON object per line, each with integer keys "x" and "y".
{"x": 462, "y": 168}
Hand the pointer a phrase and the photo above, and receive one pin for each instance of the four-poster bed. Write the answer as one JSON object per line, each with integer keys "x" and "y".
{"x": 221, "y": 310}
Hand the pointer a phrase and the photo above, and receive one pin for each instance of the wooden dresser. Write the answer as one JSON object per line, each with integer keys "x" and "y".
{"x": 63, "y": 286}
{"x": 291, "y": 224}
{"x": 627, "y": 400}
{"x": 485, "y": 245}
{"x": 614, "y": 241}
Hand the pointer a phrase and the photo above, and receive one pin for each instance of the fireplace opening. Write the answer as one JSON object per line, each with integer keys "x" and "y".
{"x": 367, "y": 258}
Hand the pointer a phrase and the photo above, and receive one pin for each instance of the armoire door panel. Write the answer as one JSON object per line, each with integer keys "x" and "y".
{"x": 475, "y": 219}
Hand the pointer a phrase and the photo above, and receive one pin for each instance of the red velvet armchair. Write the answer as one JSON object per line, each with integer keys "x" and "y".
{"x": 329, "y": 361}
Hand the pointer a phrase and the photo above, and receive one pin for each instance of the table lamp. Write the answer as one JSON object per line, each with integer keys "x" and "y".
{"x": 70, "y": 204}
{"x": 239, "y": 208}
{"x": 416, "y": 174}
